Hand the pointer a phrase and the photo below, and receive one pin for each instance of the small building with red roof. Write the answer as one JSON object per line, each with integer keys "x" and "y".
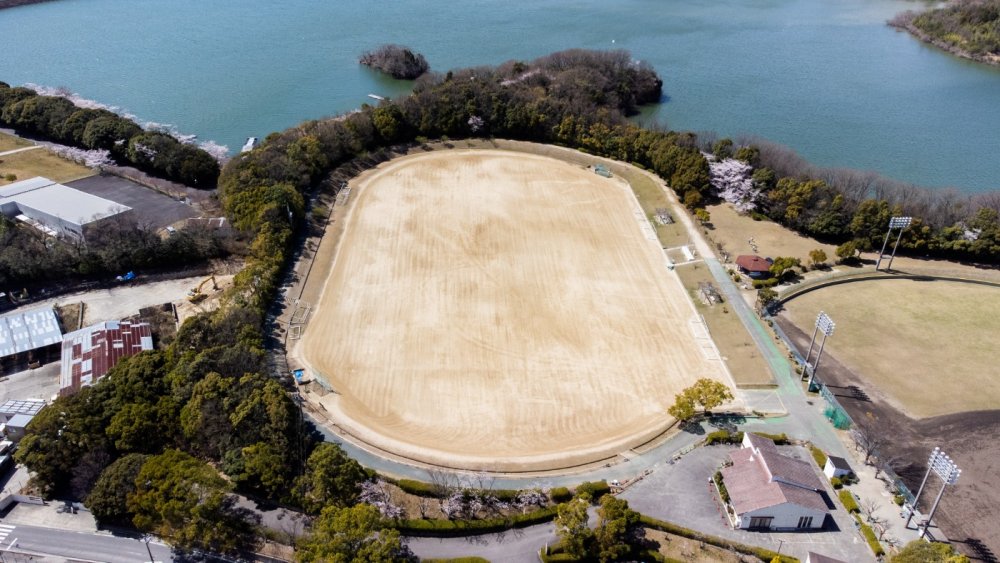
{"x": 754, "y": 266}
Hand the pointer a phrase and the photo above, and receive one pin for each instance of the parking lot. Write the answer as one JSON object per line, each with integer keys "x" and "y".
{"x": 151, "y": 208}
{"x": 682, "y": 494}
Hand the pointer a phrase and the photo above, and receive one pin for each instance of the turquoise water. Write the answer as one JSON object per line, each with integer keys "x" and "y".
{"x": 827, "y": 78}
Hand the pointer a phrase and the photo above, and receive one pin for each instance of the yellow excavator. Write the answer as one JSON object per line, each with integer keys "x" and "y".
{"x": 196, "y": 295}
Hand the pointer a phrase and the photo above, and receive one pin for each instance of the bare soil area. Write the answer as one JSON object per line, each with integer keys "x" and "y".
{"x": 488, "y": 309}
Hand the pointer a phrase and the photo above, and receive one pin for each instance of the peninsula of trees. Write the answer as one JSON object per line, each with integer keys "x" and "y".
{"x": 396, "y": 61}
{"x": 967, "y": 28}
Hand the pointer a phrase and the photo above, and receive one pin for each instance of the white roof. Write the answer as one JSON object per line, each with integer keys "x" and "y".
{"x": 64, "y": 202}
{"x": 21, "y": 331}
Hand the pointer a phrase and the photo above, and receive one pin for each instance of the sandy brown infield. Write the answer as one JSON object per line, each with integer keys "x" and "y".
{"x": 502, "y": 311}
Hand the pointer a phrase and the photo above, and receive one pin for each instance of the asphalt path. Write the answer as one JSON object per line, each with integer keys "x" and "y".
{"x": 81, "y": 546}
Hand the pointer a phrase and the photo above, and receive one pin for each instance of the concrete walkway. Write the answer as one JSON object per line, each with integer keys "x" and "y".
{"x": 22, "y": 149}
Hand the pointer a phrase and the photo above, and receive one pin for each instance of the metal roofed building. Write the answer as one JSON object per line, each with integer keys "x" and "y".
{"x": 88, "y": 353}
{"x": 55, "y": 209}
{"x": 25, "y": 331}
{"x": 15, "y": 406}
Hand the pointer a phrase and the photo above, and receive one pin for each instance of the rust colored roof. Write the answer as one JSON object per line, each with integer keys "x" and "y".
{"x": 753, "y": 263}
{"x": 764, "y": 478}
{"x": 88, "y": 353}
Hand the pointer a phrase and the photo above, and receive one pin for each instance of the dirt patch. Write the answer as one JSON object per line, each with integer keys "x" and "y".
{"x": 487, "y": 308}
{"x": 683, "y": 549}
{"x": 734, "y": 233}
{"x": 969, "y": 514}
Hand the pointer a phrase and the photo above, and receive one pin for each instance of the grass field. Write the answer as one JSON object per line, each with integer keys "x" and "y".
{"x": 928, "y": 346}
{"x": 740, "y": 353}
{"x": 490, "y": 309}
{"x": 10, "y": 142}
{"x": 40, "y": 162}
{"x": 733, "y": 232}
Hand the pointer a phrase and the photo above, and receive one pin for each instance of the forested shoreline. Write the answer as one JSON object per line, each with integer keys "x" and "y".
{"x": 58, "y": 119}
{"x": 966, "y": 28}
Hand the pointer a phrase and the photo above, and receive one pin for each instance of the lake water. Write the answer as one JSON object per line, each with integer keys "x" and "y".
{"x": 827, "y": 78}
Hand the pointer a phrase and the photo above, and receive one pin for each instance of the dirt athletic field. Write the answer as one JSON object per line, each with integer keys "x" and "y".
{"x": 495, "y": 310}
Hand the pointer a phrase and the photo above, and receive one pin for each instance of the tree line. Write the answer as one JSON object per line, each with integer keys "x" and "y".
{"x": 113, "y": 247}
{"x": 60, "y": 120}
{"x": 970, "y": 28}
{"x": 853, "y": 208}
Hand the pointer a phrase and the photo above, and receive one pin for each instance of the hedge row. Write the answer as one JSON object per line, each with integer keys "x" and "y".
{"x": 778, "y": 439}
{"x": 560, "y": 494}
{"x": 869, "y": 534}
{"x": 723, "y": 437}
{"x": 848, "y": 501}
{"x": 765, "y": 555}
{"x": 457, "y": 560}
{"x": 596, "y": 489}
{"x": 450, "y": 528}
{"x": 722, "y": 487}
{"x": 818, "y": 455}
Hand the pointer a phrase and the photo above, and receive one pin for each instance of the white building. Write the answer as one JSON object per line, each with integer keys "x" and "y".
{"x": 836, "y": 467}
{"x": 770, "y": 491}
{"x": 55, "y": 209}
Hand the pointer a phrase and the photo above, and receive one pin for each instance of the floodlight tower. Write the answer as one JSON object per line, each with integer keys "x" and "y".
{"x": 894, "y": 223}
{"x": 825, "y": 324}
{"x": 943, "y": 467}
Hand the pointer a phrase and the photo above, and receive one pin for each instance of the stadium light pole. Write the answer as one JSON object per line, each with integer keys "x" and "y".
{"x": 949, "y": 473}
{"x": 894, "y": 223}
{"x": 825, "y": 325}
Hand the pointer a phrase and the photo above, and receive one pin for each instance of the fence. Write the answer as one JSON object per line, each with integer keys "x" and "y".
{"x": 835, "y": 412}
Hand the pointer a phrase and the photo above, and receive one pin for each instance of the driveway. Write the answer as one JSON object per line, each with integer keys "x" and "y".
{"x": 681, "y": 493}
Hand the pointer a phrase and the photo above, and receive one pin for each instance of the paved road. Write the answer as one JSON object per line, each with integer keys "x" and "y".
{"x": 79, "y": 546}
{"x": 513, "y": 546}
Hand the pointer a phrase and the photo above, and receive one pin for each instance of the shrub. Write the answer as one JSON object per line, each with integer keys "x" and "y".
{"x": 560, "y": 494}
{"x": 778, "y": 439}
{"x": 418, "y": 488}
{"x": 847, "y": 499}
{"x": 596, "y": 489}
{"x": 450, "y": 528}
{"x": 722, "y": 487}
{"x": 870, "y": 537}
{"x": 899, "y": 500}
{"x": 723, "y": 437}
{"x": 761, "y": 284}
{"x": 818, "y": 455}
{"x": 836, "y": 482}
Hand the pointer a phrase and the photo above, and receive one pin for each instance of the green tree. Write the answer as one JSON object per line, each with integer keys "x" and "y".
{"x": 352, "y": 535}
{"x": 723, "y": 149}
{"x": 783, "y": 266}
{"x": 817, "y": 257}
{"x": 331, "y": 479}
{"x": 705, "y": 393}
{"x": 186, "y": 502}
{"x": 765, "y": 296}
{"x": 107, "y": 501}
{"x": 702, "y": 215}
{"x": 617, "y": 530}
{"x": 572, "y": 526}
{"x": 848, "y": 252}
{"x": 870, "y": 221}
{"x": 919, "y": 551}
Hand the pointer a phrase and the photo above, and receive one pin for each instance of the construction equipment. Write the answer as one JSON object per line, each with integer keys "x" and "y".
{"x": 196, "y": 295}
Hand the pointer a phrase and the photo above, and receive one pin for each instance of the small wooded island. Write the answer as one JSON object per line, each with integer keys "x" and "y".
{"x": 967, "y": 28}
{"x": 397, "y": 61}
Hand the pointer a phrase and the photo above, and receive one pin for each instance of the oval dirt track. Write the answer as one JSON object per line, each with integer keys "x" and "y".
{"x": 496, "y": 310}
